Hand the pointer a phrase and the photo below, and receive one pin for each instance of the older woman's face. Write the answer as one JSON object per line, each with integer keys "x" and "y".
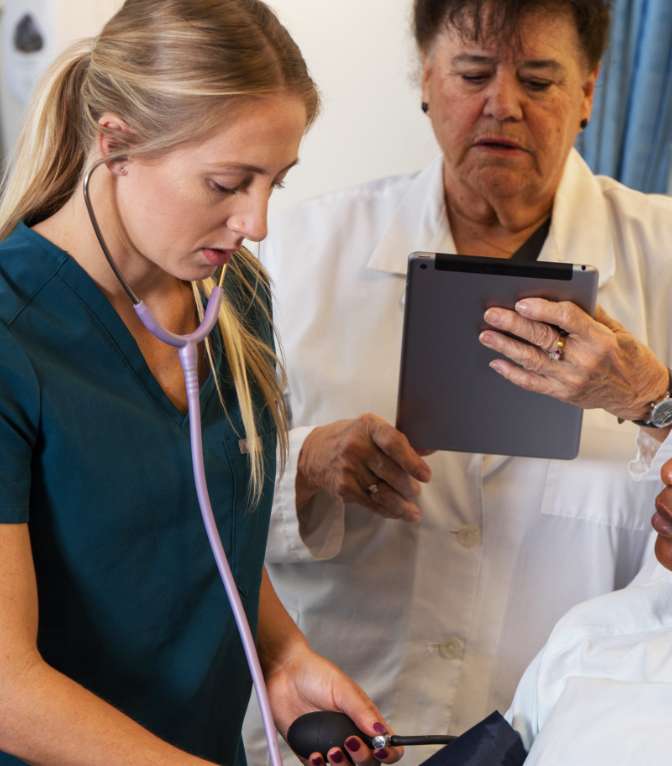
{"x": 506, "y": 116}
{"x": 662, "y": 519}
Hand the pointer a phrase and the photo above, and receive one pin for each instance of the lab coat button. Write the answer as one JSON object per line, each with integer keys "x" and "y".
{"x": 469, "y": 537}
{"x": 453, "y": 649}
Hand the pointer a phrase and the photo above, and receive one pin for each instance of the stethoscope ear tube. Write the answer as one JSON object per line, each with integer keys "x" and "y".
{"x": 99, "y": 234}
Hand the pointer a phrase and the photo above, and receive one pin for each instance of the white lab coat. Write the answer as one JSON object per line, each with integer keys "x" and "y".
{"x": 438, "y": 621}
{"x": 600, "y": 691}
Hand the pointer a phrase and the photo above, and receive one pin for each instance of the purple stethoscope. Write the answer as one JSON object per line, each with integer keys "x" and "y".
{"x": 187, "y": 346}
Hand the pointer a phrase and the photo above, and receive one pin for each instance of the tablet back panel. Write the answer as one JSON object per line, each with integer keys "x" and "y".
{"x": 449, "y": 398}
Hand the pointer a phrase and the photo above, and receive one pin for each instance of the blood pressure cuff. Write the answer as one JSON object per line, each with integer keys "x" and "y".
{"x": 492, "y": 742}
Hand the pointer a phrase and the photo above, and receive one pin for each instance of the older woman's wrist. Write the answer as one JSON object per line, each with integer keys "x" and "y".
{"x": 656, "y": 391}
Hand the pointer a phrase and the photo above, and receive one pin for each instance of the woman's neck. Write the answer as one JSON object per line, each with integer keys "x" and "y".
{"x": 169, "y": 298}
{"x": 71, "y": 229}
{"x": 489, "y": 239}
{"x": 493, "y": 228}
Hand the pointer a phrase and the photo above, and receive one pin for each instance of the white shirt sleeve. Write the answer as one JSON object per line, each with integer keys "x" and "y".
{"x": 314, "y": 533}
{"x": 523, "y": 715}
{"x": 651, "y": 454}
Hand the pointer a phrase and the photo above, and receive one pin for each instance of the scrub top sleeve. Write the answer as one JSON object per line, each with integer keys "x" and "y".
{"x": 19, "y": 424}
{"x": 313, "y": 534}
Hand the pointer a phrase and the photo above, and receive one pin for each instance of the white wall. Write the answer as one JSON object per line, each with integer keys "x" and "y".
{"x": 363, "y": 58}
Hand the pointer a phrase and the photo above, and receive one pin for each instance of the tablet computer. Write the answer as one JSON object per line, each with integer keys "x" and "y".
{"x": 449, "y": 397}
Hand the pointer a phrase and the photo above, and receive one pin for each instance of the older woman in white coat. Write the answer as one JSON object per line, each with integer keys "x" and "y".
{"x": 435, "y": 580}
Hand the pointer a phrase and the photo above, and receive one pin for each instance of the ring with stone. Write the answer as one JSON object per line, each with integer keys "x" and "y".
{"x": 557, "y": 353}
{"x": 372, "y": 489}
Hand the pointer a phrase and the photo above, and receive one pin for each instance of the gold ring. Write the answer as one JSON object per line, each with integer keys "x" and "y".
{"x": 557, "y": 353}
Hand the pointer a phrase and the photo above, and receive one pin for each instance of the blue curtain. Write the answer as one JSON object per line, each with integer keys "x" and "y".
{"x": 630, "y": 135}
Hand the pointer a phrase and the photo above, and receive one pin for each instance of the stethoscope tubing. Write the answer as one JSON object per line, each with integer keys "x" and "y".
{"x": 99, "y": 234}
{"x": 189, "y": 360}
{"x": 187, "y": 346}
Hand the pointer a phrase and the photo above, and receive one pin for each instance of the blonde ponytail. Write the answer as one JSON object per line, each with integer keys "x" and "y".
{"x": 51, "y": 151}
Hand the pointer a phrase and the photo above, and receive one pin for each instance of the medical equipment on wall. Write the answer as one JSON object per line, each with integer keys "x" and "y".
{"x": 187, "y": 346}
{"x": 28, "y": 47}
{"x": 34, "y": 33}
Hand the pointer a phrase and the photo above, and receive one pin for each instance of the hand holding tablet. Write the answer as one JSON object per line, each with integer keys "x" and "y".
{"x": 603, "y": 365}
{"x": 449, "y": 398}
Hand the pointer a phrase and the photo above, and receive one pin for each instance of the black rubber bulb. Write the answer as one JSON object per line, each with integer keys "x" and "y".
{"x": 319, "y": 732}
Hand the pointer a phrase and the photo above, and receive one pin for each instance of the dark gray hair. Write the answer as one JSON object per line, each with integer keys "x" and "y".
{"x": 592, "y": 18}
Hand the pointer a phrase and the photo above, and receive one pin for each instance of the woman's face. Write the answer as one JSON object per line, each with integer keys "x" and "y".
{"x": 188, "y": 210}
{"x": 662, "y": 519}
{"x": 506, "y": 116}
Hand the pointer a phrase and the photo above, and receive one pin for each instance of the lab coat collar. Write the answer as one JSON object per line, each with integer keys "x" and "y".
{"x": 418, "y": 224}
{"x": 580, "y": 231}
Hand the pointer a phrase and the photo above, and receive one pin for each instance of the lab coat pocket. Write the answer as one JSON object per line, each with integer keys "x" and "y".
{"x": 596, "y": 487}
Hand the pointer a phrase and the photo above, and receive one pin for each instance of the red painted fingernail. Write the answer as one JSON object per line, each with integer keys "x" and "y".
{"x": 381, "y": 755}
{"x": 337, "y": 756}
{"x": 379, "y": 728}
{"x": 317, "y": 760}
{"x": 352, "y": 744}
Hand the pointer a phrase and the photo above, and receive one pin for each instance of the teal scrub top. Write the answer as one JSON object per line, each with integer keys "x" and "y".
{"x": 96, "y": 459}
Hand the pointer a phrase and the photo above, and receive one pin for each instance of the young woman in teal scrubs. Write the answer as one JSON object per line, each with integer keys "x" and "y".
{"x": 117, "y": 644}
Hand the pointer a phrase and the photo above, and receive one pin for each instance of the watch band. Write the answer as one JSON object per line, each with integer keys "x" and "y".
{"x": 649, "y": 423}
